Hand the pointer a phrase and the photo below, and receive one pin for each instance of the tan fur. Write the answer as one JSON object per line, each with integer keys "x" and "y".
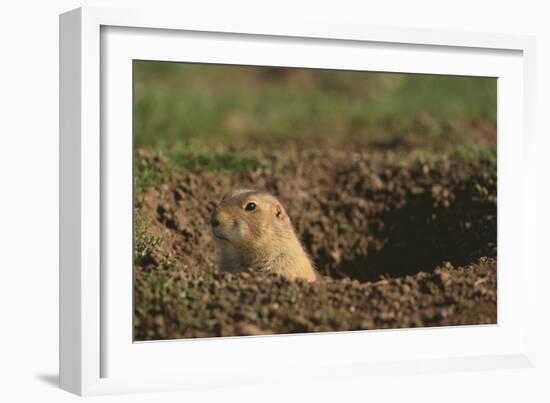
{"x": 258, "y": 240}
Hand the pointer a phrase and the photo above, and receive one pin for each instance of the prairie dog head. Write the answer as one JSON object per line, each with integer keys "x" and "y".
{"x": 253, "y": 232}
{"x": 250, "y": 220}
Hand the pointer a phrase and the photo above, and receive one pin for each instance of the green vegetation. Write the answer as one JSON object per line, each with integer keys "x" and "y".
{"x": 293, "y": 294}
{"x": 144, "y": 242}
{"x": 216, "y": 117}
{"x": 192, "y": 117}
{"x": 469, "y": 153}
{"x": 484, "y": 159}
{"x": 181, "y": 104}
{"x": 464, "y": 153}
{"x": 154, "y": 167}
{"x": 148, "y": 172}
{"x": 228, "y": 161}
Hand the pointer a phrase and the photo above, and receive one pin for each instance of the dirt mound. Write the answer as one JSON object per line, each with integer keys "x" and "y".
{"x": 219, "y": 304}
{"x": 380, "y": 231}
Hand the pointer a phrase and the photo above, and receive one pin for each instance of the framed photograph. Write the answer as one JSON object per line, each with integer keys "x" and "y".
{"x": 248, "y": 202}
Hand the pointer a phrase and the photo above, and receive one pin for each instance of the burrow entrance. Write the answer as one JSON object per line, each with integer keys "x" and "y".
{"x": 419, "y": 236}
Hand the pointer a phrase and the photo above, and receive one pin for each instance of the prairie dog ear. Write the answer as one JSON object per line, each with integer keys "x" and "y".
{"x": 280, "y": 212}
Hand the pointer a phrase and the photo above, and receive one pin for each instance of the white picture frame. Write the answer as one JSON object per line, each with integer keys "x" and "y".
{"x": 97, "y": 354}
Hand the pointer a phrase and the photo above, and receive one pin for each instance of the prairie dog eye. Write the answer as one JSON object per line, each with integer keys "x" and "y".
{"x": 251, "y": 206}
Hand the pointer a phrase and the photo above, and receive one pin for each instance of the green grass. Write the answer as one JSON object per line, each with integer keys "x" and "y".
{"x": 202, "y": 117}
{"x": 148, "y": 173}
{"x": 484, "y": 158}
{"x": 144, "y": 242}
{"x": 231, "y": 105}
{"x": 462, "y": 152}
{"x": 227, "y": 161}
{"x": 470, "y": 153}
{"x": 155, "y": 168}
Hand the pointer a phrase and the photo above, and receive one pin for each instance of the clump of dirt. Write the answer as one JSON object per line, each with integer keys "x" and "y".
{"x": 399, "y": 243}
{"x": 210, "y": 303}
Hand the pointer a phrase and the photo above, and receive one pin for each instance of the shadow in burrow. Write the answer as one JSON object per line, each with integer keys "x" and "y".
{"x": 420, "y": 236}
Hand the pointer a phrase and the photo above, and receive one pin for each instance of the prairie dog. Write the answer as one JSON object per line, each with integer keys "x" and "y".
{"x": 253, "y": 232}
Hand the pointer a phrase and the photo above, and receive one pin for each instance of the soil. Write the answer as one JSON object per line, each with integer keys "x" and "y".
{"x": 398, "y": 243}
